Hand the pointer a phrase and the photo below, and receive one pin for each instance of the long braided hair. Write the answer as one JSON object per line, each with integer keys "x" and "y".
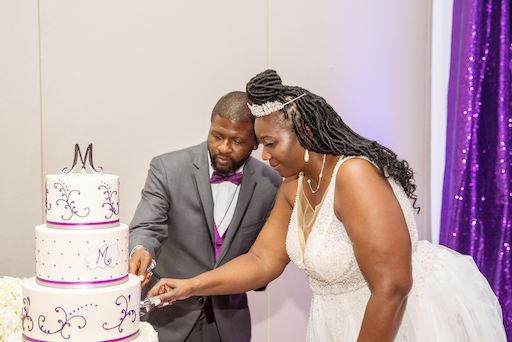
{"x": 320, "y": 129}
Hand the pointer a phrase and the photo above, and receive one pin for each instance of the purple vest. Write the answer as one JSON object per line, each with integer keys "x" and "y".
{"x": 218, "y": 241}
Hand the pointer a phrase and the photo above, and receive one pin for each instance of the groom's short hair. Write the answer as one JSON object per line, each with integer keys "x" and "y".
{"x": 233, "y": 106}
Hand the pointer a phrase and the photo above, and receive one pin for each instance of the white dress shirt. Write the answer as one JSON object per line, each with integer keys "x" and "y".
{"x": 225, "y": 197}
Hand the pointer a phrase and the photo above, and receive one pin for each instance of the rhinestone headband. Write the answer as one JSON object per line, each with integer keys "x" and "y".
{"x": 269, "y": 107}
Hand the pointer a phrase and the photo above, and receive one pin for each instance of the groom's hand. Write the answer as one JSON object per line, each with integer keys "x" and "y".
{"x": 139, "y": 263}
{"x": 169, "y": 290}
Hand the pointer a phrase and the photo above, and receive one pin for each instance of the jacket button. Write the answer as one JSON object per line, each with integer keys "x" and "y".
{"x": 200, "y": 300}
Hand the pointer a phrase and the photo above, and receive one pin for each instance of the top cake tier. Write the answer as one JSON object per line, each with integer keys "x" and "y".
{"x": 82, "y": 201}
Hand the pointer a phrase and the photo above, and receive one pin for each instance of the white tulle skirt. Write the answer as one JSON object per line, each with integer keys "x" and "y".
{"x": 451, "y": 301}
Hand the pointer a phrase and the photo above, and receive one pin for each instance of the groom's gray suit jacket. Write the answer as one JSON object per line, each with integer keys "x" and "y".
{"x": 174, "y": 221}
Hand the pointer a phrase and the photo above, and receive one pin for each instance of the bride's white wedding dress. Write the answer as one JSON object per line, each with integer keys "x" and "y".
{"x": 450, "y": 299}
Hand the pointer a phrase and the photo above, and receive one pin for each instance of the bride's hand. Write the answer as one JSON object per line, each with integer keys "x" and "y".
{"x": 169, "y": 290}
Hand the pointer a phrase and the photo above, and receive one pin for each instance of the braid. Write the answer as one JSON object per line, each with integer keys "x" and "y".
{"x": 320, "y": 129}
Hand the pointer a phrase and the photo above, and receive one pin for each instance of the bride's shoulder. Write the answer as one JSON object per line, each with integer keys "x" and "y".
{"x": 359, "y": 174}
{"x": 356, "y": 167}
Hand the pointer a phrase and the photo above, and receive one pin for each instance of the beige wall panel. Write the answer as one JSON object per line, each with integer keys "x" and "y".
{"x": 369, "y": 59}
{"x": 140, "y": 78}
{"x": 20, "y": 164}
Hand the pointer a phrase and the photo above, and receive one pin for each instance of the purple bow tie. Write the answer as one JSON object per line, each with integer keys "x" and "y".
{"x": 235, "y": 178}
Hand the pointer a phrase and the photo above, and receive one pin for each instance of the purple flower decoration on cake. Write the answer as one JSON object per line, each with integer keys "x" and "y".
{"x": 68, "y": 203}
{"x": 124, "y": 313}
{"x": 109, "y": 194}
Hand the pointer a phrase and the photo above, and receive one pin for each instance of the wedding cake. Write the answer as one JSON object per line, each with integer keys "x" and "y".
{"x": 82, "y": 290}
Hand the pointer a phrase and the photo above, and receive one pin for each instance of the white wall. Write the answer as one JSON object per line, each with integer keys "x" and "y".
{"x": 140, "y": 78}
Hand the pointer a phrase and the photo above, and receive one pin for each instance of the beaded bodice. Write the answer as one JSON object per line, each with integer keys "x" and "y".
{"x": 328, "y": 257}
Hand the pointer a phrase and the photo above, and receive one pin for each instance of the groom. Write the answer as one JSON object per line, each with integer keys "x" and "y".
{"x": 200, "y": 208}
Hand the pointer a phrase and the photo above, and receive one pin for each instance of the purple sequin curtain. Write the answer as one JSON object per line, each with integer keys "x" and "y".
{"x": 477, "y": 196}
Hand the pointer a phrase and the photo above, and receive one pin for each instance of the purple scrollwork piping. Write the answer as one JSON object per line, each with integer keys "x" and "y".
{"x": 26, "y": 319}
{"x": 62, "y": 323}
{"x": 47, "y": 206}
{"x": 109, "y": 194}
{"x": 68, "y": 203}
{"x": 124, "y": 313}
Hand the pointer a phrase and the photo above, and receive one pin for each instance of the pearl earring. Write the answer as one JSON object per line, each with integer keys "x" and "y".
{"x": 306, "y": 156}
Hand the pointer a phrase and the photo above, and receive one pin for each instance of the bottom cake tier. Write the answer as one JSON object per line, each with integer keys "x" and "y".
{"x": 97, "y": 314}
{"x": 146, "y": 334}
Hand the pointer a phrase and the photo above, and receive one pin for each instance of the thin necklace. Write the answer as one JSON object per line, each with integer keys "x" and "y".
{"x": 319, "y": 178}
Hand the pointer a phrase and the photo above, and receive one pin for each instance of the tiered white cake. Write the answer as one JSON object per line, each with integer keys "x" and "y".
{"x": 82, "y": 290}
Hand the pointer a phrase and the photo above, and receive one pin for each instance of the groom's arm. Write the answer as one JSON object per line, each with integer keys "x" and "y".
{"x": 264, "y": 262}
{"x": 149, "y": 225}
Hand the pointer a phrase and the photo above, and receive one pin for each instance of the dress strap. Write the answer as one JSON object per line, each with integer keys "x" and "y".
{"x": 329, "y": 196}
{"x": 338, "y": 165}
{"x": 299, "y": 186}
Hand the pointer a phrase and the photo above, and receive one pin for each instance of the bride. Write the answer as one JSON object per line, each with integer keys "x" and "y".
{"x": 347, "y": 220}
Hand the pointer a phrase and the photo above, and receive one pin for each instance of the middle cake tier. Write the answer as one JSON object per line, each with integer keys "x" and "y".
{"x": 81, "y": 258}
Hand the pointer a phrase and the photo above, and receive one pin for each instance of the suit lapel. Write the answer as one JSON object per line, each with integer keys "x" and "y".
{"x": 246, "y": 191}
{"x": 202, "y": 175}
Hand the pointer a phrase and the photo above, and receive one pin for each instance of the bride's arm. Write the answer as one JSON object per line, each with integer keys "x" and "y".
{"x": 374, "y": 221}
{"x": 264, "y": 262}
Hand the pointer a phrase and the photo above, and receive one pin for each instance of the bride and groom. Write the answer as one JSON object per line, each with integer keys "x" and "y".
{"x": 345, "y": 215}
